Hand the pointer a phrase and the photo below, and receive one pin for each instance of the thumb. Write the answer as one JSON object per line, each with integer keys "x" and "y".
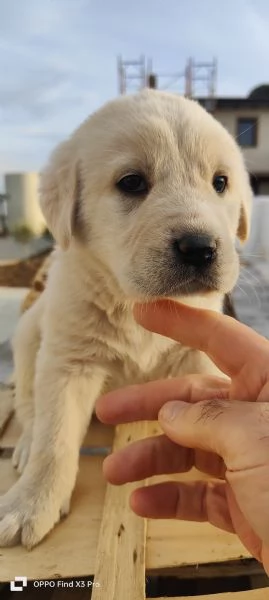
{"x": 236, "y": 430}
{"x": 194, "y": 426}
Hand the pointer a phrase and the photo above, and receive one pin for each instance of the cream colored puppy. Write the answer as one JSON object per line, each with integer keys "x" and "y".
{"x": 145, "y": 200}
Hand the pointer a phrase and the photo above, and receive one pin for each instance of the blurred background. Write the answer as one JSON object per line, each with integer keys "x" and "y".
{"x": 62, "y": 59}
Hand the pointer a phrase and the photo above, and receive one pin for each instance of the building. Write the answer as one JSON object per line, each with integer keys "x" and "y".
{"x": 23, "y": 203}
{"x": 247, "y": 119}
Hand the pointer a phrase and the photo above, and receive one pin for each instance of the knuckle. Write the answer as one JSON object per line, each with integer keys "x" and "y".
{"x": 211, "y": 410}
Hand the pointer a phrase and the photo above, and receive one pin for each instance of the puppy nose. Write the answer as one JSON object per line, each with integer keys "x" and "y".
{"x": 197, "y": 250}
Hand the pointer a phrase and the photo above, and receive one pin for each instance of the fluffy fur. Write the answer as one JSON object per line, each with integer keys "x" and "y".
{"x": 79, "y": 338}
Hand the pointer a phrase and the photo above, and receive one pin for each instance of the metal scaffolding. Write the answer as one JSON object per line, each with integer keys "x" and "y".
{"x": 202, "y": 73}
{"x": 198, "y": 78}
{"x": 131, "y": 75}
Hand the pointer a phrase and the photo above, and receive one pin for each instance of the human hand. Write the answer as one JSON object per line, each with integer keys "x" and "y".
{"x": 205, "y": 429}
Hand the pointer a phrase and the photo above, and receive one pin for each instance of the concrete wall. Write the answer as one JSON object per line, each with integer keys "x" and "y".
{"x": 23, "y": 204}
{"x": 257, "y": 158}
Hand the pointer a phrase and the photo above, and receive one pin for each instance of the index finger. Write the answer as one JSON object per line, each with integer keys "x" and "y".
{"x": 230, "y": 344}
{"x": 144, "y": 401}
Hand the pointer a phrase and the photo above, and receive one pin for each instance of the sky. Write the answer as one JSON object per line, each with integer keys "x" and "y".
{"x": 58, "y": 59}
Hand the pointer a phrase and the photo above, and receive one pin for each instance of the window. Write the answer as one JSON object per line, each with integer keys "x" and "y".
{"x": 246, "y": 132}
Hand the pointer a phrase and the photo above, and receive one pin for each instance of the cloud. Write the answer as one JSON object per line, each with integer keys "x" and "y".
{"x": 58, "y": 59}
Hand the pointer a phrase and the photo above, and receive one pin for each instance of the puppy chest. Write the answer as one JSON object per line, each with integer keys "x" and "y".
{"x": 140, "y": 363}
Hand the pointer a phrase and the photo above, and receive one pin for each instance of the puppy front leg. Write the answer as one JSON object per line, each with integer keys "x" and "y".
{"x": 64, "y": 403}
{"x": 26, "y": 343}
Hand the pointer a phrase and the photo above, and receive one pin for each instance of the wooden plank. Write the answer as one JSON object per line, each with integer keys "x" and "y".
{"x": 171, "y": 543}
{"x": 11, "y": 434}
{"x": 6, "y": 407}
{"x": 99, "y": 435}
{"x": 221, "y": 569}
{"x": 68, "y": 594}
{"x": 262, "y": 594}
{"x": 120, "y": 561}
{"x": 70, "y": 549}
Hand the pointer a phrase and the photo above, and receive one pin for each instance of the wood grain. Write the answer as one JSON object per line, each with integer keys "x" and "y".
{"x": 120, "y": 559}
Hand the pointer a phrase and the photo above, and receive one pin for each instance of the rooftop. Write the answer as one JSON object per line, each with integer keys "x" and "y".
{"x": 258, "y": 98}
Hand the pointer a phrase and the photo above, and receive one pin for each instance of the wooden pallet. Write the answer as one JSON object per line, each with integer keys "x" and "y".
{"x": 261, "y": 594}
{"x": 102, "y": 537}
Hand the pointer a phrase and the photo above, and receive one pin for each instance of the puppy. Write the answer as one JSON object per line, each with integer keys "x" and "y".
{"x": 145, "y": 200}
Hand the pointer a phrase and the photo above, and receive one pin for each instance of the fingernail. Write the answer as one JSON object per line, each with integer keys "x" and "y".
{"x": 170, "y": 410}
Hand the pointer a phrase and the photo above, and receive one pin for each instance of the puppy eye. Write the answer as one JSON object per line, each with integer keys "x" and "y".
{"x": 220, "y": 183}
{"x": 133, "y": 184}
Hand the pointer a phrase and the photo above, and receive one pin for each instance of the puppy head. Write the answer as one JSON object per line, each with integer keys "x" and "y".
{"x": 156, "y": 189}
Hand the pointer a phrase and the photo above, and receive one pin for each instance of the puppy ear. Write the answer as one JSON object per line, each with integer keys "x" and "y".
{"x": 245, "y": 216}
{"x": 58, "y": 193}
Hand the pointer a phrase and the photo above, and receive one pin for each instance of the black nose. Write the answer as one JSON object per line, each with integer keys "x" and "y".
{"x": 197, "y": 250}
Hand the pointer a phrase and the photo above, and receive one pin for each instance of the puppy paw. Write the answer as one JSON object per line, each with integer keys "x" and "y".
{"x": 22, "y": 451}
{"x": 28, "y": 520}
